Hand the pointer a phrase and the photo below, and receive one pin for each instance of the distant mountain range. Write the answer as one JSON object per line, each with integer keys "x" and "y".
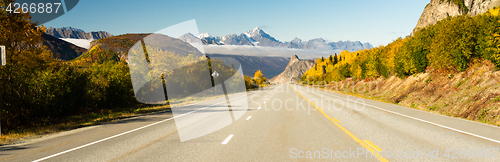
{"x": 69, "y": 32}
{"x": 258, "y": 37}
{"x": 119, "y": 46}
{"x": 270, "y": 66}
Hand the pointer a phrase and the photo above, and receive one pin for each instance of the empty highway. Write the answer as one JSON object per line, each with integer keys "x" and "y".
{"x": 285, "y": 122}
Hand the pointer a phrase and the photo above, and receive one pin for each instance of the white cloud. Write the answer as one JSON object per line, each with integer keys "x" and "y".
{"x": 267, "y": 51}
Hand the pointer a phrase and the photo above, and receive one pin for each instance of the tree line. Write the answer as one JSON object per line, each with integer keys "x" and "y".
{"x": 37, "y": 90}
{"x": 448, "y": 46}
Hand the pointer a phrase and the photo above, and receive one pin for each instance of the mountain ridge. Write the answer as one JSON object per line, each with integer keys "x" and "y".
{"x": 258, "y": 37}
{"x": 118, "y": 47}
{"x": 70, "y": 32}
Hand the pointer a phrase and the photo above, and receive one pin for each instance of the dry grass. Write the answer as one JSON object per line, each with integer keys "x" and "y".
{"x": 473, "y": 94}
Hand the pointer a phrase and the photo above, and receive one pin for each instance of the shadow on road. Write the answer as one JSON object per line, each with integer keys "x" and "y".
{"x": 5, "y": 149}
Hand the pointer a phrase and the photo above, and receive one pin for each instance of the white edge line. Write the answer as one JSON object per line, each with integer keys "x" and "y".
{"x": 249, "y": 117}
{"x": 227, "y": 139}
{"x": 425, "y": 121}
{"x": 127, "y": 132}
{"x": 259, "y": 108}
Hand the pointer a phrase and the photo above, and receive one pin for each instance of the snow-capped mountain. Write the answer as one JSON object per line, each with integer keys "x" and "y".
{"x": 258, "y": 37}
{"x": 189, "y": 38}
{"x": 296, "y": 40}
{"x": 193, "y": 41}
{"x": 204, "y": 35}
{"x": 263, "y": 38}
{"x": 208, "y": 39}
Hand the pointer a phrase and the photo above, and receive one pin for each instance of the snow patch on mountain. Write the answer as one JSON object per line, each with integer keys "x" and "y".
{"x": 84, "y": 43}
{"x": 204, "y": 35}
{"x": 250, "y": 39}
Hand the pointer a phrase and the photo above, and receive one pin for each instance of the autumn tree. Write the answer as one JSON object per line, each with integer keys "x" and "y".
{"x": 489, "y": 32}
{"x": 259, "y": 78}
{"x": 449, "y": 45}
{"x": 454, "y": 43}
{"x": 335, "y": 59}
{"x": 25, "y": 57}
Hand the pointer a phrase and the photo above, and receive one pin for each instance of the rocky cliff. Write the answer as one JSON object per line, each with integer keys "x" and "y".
{"x": 294, "y": 70}
{"x": 440, "y": 9}
{"x": 69, "y": 32}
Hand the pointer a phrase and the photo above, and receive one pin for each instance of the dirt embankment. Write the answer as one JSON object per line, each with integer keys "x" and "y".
{"x": 473, "y": 94}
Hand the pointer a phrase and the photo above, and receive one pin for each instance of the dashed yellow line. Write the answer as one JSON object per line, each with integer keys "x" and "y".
{"x": 373, "y": 145}
{"x": 336, "y": 120}
{"x": 380, "y": 158}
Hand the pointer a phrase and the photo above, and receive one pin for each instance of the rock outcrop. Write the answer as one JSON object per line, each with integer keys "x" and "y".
{"x": 294, "y": 70}
{"x": 477, "y": 7}
{"x": 69, "y": 32}
{"x": 437, "y": 10}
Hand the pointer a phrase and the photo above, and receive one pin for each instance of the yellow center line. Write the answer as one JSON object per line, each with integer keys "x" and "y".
{"x": 336, "y": 120}
{"x": 380, "y": 158}
{"x": 373, "y": 145}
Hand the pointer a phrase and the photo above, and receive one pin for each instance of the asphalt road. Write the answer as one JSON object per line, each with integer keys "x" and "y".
{"x": 282, "y": 123}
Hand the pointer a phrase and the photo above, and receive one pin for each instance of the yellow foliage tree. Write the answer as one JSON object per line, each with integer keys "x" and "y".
{"x": 259, "y": 78}
{"x": 258, "y": 74}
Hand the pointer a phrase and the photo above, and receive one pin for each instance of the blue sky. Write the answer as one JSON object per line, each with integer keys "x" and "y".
{"x": 377, "y": 22}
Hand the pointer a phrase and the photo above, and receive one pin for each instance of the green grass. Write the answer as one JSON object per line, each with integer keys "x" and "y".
{"x": 433, "y": 108}
{"x": 497, "y": 99}
{"x": 449, "y": 76}
{"x": 428, "y": 80}
{"x": 482, "y": 114}
{"x": 460, "y": 83}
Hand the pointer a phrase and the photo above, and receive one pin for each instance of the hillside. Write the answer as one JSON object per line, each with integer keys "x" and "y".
{"x": 62, "y": 49}
{"x": 117, "y": 47}
{"x": 473, "y": 94}
{"x": 294, "y": 70}
{"x": 110, "y": 47}
{"x": 450, "y": 67}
